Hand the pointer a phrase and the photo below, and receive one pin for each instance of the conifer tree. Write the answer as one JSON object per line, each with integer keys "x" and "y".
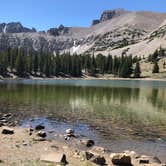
{"x": 20, "y": 64}
{"x": 137, "y": 71}
{"x": 35, "y": 64}
{"x": 155, "y": 68}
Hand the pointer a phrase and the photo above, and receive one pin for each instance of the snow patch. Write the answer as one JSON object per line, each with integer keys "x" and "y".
{"x": 4, "y": 29}
{"x": 75, "y": 47}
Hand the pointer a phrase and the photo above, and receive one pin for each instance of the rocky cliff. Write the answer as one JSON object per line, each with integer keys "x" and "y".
{"x": 117, "y": 30}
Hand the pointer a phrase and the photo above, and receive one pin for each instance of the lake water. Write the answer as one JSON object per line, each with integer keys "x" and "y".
{"x": 118, "y": 114}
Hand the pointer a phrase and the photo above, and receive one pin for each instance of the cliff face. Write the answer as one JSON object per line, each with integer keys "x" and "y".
{"x": 115, "y": 31}
{"x": 14, "y": 27}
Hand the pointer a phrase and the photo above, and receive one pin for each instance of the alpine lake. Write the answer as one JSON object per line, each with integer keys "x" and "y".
{"x": 117, "y": 114}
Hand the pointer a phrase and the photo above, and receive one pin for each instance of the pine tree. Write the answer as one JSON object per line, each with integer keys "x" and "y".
{"x": 20, "y": 64}
{"x": 109, "y": 64}
{"x": 3, "y": 64}
{"x": 35, "y": 64}
{"x": 137, "y": 71}
{"x": 155, "y": 68}
{"x": 93, "y": 66}
{"x": 164, "y": 65}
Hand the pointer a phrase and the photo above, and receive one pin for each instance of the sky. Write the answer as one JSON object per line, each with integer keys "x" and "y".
{"x": 45, "y": 14}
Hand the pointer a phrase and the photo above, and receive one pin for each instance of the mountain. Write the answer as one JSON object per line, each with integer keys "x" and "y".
{"x": 116, "y": 31}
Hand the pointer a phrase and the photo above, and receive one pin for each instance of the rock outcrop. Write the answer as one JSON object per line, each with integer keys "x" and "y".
{"x": 14, "y": 27}
{"x": 109, "y": 14}
{"x": 58, "y": 31}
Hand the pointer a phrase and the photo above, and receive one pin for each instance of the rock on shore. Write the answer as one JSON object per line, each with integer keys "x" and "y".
{"x": 19, "y": 147}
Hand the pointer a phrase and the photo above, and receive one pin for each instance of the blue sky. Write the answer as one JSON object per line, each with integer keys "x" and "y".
{"x": 43, "y": 14}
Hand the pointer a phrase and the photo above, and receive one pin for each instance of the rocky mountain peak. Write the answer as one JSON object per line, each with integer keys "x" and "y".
{"x": 108, "y": 15}
{"x": 14, "y": 27}
{"x": 61, "y": 30}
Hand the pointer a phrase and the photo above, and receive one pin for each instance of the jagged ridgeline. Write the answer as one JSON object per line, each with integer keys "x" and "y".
{"x": 116, "y": 31}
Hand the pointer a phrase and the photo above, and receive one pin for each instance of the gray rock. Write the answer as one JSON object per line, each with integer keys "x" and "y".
{"x": 99, "y": 160}
{"x": 69, "y": 134}
{"x": 69, "y": 131}
{"x": 54, "y": 157}
{"x": 121, "y": 159}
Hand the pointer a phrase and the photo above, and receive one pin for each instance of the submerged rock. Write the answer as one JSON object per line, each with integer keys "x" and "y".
{"x": 40, "y": 127}
{"x": 87, "y": 142}
{"x": 42, "y": 134}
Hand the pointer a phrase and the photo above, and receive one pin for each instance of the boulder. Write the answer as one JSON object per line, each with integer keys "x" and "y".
{"x": 69, "y": 131}
{"x": 99, "y": 160}
{"x": 121, "y": 159}
{"x": 69, "y": 134}
{"x": 7, "y": 130}
{"x": 54, "y": 157}
{"x": 39, "y": 127}
{"x": 87, "y": 142}
{"x": 148, "y": 159}
{"x": 42, "y": 134}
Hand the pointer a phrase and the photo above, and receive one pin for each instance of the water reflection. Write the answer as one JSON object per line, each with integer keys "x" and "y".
{"x": 139, "y": 108}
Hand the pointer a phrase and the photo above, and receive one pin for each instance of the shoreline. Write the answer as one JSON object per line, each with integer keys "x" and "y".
{"x": 86, "y": 78}
{"x": 33, "y": 146}
{"x": 21, "y": 147}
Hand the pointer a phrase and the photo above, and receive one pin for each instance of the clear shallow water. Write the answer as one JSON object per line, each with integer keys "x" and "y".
{"x": 118, "y": 114}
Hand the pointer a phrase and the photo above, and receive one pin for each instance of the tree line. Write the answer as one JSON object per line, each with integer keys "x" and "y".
{"x": 23, "y": 63}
